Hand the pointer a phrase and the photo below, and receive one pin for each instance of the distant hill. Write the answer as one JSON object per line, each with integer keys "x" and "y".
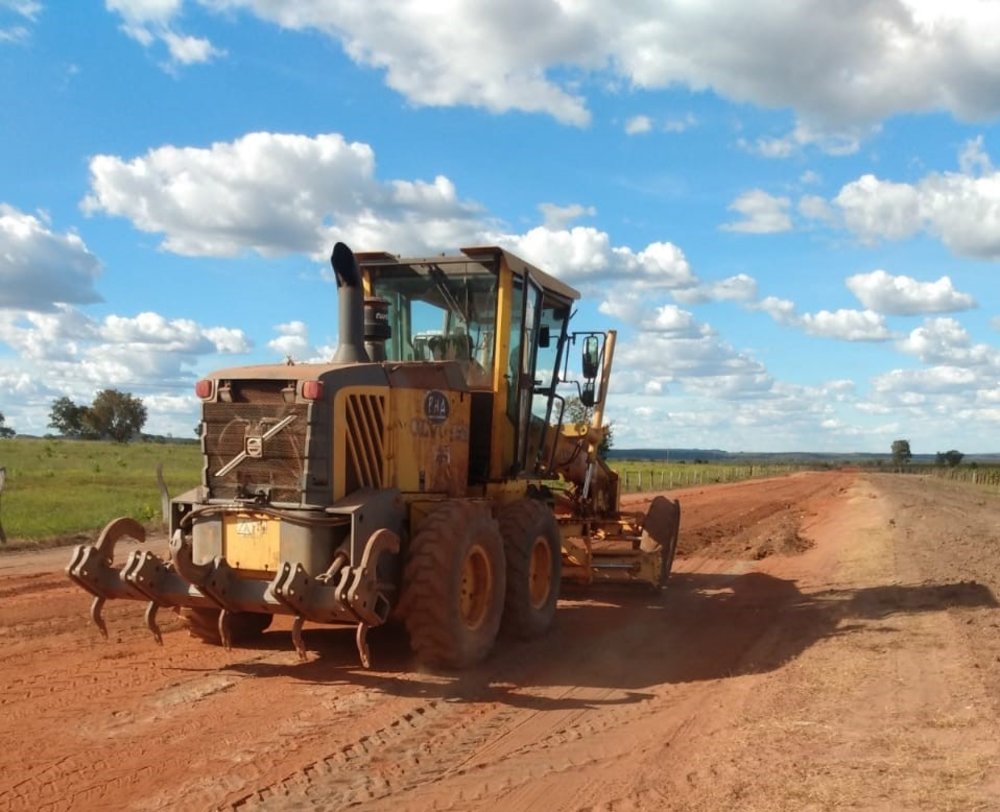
{"x": 801, "y": 457}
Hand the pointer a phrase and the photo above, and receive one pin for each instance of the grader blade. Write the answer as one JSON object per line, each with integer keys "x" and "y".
{"x": 660, "y": 528}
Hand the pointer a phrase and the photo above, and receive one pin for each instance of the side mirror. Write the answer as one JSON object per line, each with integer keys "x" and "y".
{"x": 587, "y": 395}
{"x": 544, "y": 336}
{"x": 591, "y": 357}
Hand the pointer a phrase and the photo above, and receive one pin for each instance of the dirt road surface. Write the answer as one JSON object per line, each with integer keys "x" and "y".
{"x": 828, "y": 641}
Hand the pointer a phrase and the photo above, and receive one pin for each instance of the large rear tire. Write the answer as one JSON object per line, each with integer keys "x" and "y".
{"x": 244, "y": 627}
{"x": 533, "y": 550}
{"x": 453, "y": 586}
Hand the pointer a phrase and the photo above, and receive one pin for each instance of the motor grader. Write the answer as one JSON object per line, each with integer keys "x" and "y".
{"x": 428, "y": 473}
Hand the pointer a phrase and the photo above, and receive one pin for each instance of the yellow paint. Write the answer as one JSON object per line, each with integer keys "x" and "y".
{"x": 251, "y": 541}
{"x": 432, "y": 453}
{"x": 502, "y": 441}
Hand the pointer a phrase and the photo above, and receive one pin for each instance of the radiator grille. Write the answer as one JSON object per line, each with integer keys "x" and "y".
{"x": 365, "y": 418}
{"x": 277, "y": 472}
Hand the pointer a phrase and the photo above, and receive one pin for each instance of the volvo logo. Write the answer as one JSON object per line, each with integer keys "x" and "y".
{"x": 436, "y": 407}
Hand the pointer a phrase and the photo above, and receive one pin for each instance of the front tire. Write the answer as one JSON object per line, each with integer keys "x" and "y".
{"x": 534, "y": 567}
{"x": 453, "y": 586}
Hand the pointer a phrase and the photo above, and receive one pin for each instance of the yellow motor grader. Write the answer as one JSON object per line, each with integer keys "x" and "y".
{"x": 427, "y": 473}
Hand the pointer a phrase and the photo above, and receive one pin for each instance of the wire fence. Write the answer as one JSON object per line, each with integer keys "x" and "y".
{"x": 639, "y": 476}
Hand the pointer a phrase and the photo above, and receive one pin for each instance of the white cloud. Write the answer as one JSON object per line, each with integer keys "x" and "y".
{"x": 67, "y": 353}
{"x": 559, "y": 217}
{"x": 814, "y": 207}
{"x": 843, "y": 324}
{"x": 962, "y": 208}
{"x": 638, "y": 125}
{"x": 39, "y": 268}
{"x": 933, "y": 380}
{"x": 583, "y": 255}
{"x": 21, "y": 13}
{"x": 149, "y": 21}
{"x": 681, "y": 123}
{"x": 739, "y": 288}
{"x": 835, "y": 70}
{"x": 874, "y": 209}
{"x": 905, "y": 296}
{"x": 846, "y": 325}
{"x": 275, "y": 194}
{"x": 292, "y": 341}
{"x": 762, "y": 213}
{"x": 802, "y": 136}
{"x": 945, "y": 341}
{"x": 188, "y": 50}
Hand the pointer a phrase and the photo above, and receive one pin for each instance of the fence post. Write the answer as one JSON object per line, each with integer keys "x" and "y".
{"x": 3, "y": 482}
{"x": 164, "y": 495}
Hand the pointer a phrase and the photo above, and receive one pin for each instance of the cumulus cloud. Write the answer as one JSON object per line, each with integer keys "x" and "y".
{"x": 16, "y": 17}
{"x": 39, "y": 268}
{"x": 846, "y": 325}
{"x": 875, "y": 209}
{"x": 739, "y": 288}
{"x": 584, "y": 255}
{"x": 843, "y": 324}
{"x": 802, "y": 136}
{"x": 762, "y": 213}
{"x": 275, "y": 194}
{"x": 151, "y": 21}
{"x": 905, "y": 296}
{"x": 559, "y": 217}
{"x": 962, "y": 209}
{"x": 919, "y": 382}
{"x": 850, "y": 70}
{"x": 638, "y": 125}
{"x": 292, "y": 341}
{"x": 945, "y": 341}
{"x": 66, "y": 352}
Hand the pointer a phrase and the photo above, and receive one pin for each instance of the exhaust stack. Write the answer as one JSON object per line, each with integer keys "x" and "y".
{"x": 350, "y": 298}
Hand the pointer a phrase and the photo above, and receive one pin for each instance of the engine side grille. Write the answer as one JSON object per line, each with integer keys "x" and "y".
{"x": 278, "y": 471}
{"x": 365, "y": 418}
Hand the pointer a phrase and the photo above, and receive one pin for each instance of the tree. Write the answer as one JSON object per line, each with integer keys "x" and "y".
{"x": 116, "y": 415}
{"x": 901, "y": 452}
{"x": 952, "y": 458}
{"x": 113, "y": 415}
{"x": 579, "y": 415}
{"x": 67, "y": 418}
{"x": 5, "y": 431}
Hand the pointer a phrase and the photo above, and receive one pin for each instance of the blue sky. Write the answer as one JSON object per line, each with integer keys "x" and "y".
{"x": 790, "y": 213}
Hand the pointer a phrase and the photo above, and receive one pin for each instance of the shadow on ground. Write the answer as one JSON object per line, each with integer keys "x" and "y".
{"x": 704, "y": 627}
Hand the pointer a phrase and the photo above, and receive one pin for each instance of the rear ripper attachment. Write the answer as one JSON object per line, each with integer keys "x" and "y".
{"x": 270, "y": 531}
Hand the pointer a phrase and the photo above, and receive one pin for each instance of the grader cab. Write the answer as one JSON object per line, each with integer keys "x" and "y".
{"x": 428, "y": 472}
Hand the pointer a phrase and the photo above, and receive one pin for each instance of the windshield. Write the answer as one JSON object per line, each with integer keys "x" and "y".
{"x": 441, "y": 312}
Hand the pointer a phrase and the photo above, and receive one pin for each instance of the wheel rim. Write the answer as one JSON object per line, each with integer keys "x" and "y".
{"x": 475, "y": 588}
{"x": 540, "y": 572}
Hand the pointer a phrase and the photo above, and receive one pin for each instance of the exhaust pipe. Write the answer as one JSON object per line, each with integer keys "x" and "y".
{"x": 350, "y": 297}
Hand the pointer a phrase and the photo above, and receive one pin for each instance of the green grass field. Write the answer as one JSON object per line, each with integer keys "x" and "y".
{"x": 59, "y": 487}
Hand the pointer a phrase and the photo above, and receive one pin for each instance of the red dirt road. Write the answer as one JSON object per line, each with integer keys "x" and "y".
{"x": 828, "y": 640}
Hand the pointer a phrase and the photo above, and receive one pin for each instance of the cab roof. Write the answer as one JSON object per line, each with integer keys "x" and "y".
{"x": 480, "y": 253}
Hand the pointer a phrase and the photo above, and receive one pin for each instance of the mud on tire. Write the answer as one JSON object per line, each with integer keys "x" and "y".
{"x": 453, "y": 586}
{"x": 243, "y": 626}
{"x": 533, "y": 549}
